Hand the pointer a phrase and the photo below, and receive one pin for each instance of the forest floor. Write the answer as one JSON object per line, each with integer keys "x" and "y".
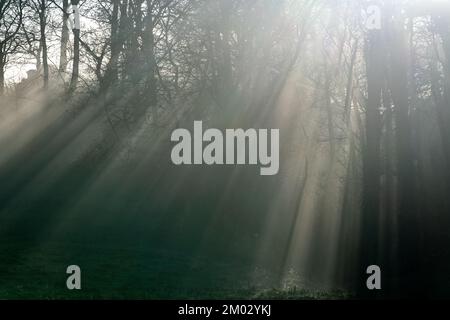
{"x": 39, "y": 272}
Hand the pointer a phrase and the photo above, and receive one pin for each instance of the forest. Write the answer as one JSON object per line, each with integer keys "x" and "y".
{"x": 91, "y": 92}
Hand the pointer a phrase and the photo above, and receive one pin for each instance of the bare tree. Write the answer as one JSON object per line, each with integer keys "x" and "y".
{"x": 11, "y": 15}
{"x": 64, "y": 37}
{"x": 76, "y": 46}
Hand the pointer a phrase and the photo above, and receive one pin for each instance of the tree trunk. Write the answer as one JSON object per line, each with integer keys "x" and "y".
{"x": 134, "y": 54}
{"x": 64, "y": 38}
{"x": 150, "y": 60}
{"x": 76, "y": 52}
{"x": 371, "y": 156}
{"x": 408, "y": 218}
{"x": 42, "y": 21}
{"x": 349, "y": 86}
{"x": 76, "y": 60}
{"x": 443, "y": 100}
{"x": 2, "y": 72}
{"x": 223, "y": 40}
{"x": 111, "y": 74}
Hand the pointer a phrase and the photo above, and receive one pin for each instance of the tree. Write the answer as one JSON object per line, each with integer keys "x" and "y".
{"x": 11, "y": 15}
{"x": 371, "y": 153}
{"x": 64, "y": 37}
{"x": 40, "y": 7}
{"x": 76, "y": 46}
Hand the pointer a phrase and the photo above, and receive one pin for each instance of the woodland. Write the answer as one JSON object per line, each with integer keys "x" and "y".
{"x": 91, "y": 91}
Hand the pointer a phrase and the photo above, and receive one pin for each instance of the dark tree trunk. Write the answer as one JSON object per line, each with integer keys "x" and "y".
{"x": 371, "y": 157}
{"x": 111, "y": 74}
{"x": 443, "y": 100}
{"x": 408, "y": 215}
{"x": 223, "y": 39}
{"x": 76, "y": 53}
{"x": 76, "y": 60}
{"x": 2, "y": 72}
{"x": 150, "y": 60}
{"x": 134, "y": 54}
{"x": 42, "y": 21}
{"x": 349, "y": 86}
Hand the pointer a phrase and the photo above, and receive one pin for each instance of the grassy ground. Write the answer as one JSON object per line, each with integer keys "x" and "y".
{"x": 39, "y": 272}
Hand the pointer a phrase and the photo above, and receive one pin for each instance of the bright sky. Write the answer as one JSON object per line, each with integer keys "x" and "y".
{"x": 17, "y": 70}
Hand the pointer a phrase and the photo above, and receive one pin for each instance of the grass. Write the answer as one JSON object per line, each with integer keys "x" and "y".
{"x": 39, "y": 272}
